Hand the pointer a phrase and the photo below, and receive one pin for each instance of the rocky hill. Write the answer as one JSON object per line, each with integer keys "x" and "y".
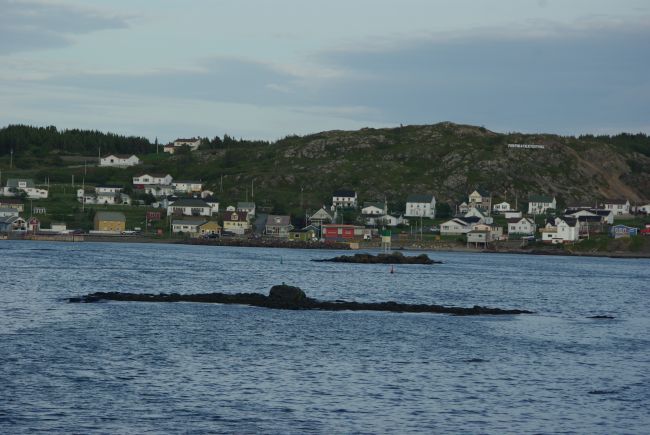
{"x": 448, "y": 160}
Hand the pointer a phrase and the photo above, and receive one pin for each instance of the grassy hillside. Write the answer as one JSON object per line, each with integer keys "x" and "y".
{"x": 446, "y": 159}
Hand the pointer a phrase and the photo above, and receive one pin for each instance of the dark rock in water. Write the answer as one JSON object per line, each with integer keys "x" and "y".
{"x": 602, "y": 392}
{"x": 287, "y": 293}
{"x": 475, "y": 360}
{"x": 601, "y": 317}
{"x": 293, "y": 298}
{"x": 393, "y": 258}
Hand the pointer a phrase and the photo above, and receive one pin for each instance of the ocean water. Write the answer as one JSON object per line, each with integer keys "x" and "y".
{"x": 190, "y": 368}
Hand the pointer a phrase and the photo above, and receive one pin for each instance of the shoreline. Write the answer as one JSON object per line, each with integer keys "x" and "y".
{"x": 290, "y": 244}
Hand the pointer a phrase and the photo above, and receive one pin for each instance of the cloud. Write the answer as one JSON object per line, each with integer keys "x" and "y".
{"x": 33, "y": 25}
{"x": 590, "y": 76}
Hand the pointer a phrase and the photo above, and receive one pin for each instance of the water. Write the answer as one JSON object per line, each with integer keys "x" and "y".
{"x": 191, "y": 368}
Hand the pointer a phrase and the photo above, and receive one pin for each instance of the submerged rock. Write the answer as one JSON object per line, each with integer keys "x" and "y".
{"x": 392, "y": 258}
{"x": 292, "y": 298}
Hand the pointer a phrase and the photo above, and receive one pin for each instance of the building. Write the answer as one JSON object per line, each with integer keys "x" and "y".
{"x": 278, "y": 226}
{"x": 193, "y": 144}
{"x": 119, "y": 160}
{"x": 339, "y": 232}
{"x": 189, "y": 207}
{"x": 8, "y": 212}
{"x": 420, "y": 206}
{"x": 140, "y": 181}
{"x": 501, "y": 207}
{"x": 210, "y": 228}
{"x": 236, "y": 222}
{"x": 619, "y": 207}
{"x": 374, "y": 208}
{"x": 187, "y": 226}
{"x": 108, "y": 188}
{"x": 109, "y": 221}
{"x": 12, "y": 203}
{"x": 455, "y": 227}
{"x": 12, "y": 223}
{"x": 247, "y": 207}
{"x": 561, "y": 230}
{"x": 15, "y": 186}
{"x": 320, "y": 217}
{"x": 619, "y": 231}
{"x": 302, "y": 235}
{"x": 481, "y": 200}
{"x": 521, "y": 227}
{"x": 187, "y": 186}
{"x": 540, "y": 204}
{"x": 344, "y": 198}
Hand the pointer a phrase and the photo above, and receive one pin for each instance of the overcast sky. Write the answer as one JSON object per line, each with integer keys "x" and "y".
{"x": 270, "y": 68}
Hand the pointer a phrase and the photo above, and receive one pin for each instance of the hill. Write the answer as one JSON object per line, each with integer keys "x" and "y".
{"x": 449, "y": 160}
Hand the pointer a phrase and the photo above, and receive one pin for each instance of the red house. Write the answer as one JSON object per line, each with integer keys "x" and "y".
{"x": 338, "y": 232}
{"x": 645, "y": 231}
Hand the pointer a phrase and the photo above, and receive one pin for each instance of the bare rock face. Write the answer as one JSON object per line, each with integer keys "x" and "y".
{"x": 287, "y": 294}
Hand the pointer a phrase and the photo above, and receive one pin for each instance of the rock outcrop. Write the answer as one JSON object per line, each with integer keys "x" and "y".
{"x": 393, "y": 258}
{"x": 292, "y": 298}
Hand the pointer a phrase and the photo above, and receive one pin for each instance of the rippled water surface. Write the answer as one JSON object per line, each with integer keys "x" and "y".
{"x": 178, "y": 368}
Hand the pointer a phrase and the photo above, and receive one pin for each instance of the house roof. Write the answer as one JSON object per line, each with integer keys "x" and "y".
{"x": 186, "y": 140}
{"x": 14, "y": 201}
{"x": 377, "y": 204}
{"x": 191, "y": 202}
{"x": 11, "y": 219}
{"x": 420, "y": 198}
{"x": 110, "y": 216}
{"x": 273, "y": 220}
{"x": 8, "y": 210}
{"x": 617, "y": 201}
{"x": 121, "y": 156}
{"x": 321, "y": 214}
{"x": 210, "y": 199}
{"x": 540, "y": 198}
{"x": 13, "y": 182}
{"x": 471, "y": 219}
{"x": 214, "y": 223}
{"x": 484, "y": 193}
{"x": 235, "y": 216}
{"x": 458, "y": 221}
{"x": 188, "y": 222}
{"x": 344, "y": 193}
{"x": 517, "y": 220}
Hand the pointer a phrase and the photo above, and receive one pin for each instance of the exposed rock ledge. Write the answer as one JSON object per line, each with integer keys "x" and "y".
{"x": 293, "y": 298}
{"x": 393, "y": 258}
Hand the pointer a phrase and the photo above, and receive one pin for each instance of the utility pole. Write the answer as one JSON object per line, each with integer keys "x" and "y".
{"x": 221, "y": 185}
{"x": 72, "y": 184}
{"x": 253, "y": 190}
{"x": 11, "y": 159}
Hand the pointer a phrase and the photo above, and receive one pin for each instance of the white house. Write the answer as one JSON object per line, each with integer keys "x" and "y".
{"x": 420, "y": 206}
{"x": 247, "y": 207}
{"x": 344, "y": 198}
{"x": 190, "y": 226}
{"x": 538, "y": 204}
{"x": 16, "y": 185}
{"x": 158, "y": 190}
{"x": 474, "y": 212}
{"x": 213, "y": 203}
{"x": 455, "y": 227}
{"x": 495, "y": 231}
{"x": 192, "y": 143}
{"x": 564, "y": 231}
{"x": 521, "y": 227}
{"x": 618, "y": 206}
{"x": 152, "y": 179}
{"x": 187, "y": 186}
{"x": 190, "y": 207}
{"x": 501, "y": 207}
{"x": 374, "y": 209}
{"x": 481, "y": 200}
{"x": 463, "y": 208}
{"x": 320, "y": 217}
{"x": 108, "y": 189}
{"x": 119, "y": 160}
{"x": 8, "y": 212}
{"x": 512, "y": 214}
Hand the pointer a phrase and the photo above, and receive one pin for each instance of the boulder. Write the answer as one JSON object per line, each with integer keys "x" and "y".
{"x": 287, "y": 294}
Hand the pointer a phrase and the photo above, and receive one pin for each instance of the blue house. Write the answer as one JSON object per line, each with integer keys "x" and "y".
{"x": 618, "y": 231}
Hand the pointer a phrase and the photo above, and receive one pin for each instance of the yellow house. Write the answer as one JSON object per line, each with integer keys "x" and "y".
{"x": 110, "y": 221}
{"x": 210, "y": 227}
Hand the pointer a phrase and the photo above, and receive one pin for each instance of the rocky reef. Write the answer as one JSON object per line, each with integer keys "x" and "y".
{"x": 292, "y": 298}
{"x": 392, "y": 258}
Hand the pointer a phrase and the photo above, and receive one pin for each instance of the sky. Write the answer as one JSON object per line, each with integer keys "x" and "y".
{"x": 265, "y": 69}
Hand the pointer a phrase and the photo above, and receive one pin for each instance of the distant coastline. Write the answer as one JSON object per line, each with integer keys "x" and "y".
{"x": 270, "y": 243}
